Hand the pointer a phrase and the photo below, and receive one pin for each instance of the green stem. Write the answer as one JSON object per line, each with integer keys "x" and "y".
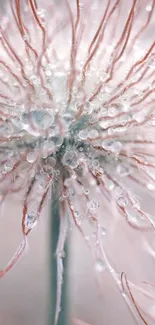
{"x": 54, "y": 235}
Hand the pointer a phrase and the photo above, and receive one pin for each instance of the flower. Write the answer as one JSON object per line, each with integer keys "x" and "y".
{"x": 77, "y": 117}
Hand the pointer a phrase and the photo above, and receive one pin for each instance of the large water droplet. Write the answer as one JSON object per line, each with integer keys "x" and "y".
{"x": 40, "y": 119}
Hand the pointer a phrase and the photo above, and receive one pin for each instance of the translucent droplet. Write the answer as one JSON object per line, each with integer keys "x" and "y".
{"x": 112, "y": 111}
{"x": 48, "y": 169}
{"x": 88, "y": 109}
{"x": 41, "y": 119}
{"x": 30, "y": 221}
{"x": 48, "y": 73}
{"x": 100, "y": 266}
{"x": 35, "y": 80}
{"x": 70, "y": 159}
{"x": 92, "y": 205}
{"x": 151, "y": 187}
{"x": 148, "y": 8}
{"x": 58, "y": 141}
{"x": 41, "y": 12}
{"x": 8, "y": 166}
{"x": 93, "y": 134}
{"x": 48, "y": 148}
{"x": 51, "y": 161}
{"x": 114, "y": 146}
{"x": 86, "y": 191}
{"x": 118, "y": 192}
{"x": 103, "y": 231}
{"x": 109, "y": 184}
{"x": 123, "y": 170}
{"x": 95, "y": 164}
{"x": 122, "y": 201}
{"x": 81, "y": 5}
{"x": 83, "y": 134}
{"x": 61, "y": 254}
{"x": 32, "y": 157}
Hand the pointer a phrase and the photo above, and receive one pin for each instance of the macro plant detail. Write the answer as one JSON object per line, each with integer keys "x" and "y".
{"x": 77, "y": 123}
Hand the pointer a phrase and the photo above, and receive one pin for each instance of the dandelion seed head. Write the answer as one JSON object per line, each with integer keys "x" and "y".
{"x": 77, "y": 109}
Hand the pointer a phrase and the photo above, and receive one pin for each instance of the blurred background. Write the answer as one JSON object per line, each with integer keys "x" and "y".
{"x": 24, "y": 291}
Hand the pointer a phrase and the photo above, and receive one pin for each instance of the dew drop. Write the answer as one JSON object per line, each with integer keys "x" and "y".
{"x": 83, "y": 134}
{"x": 8, "y": 166}
{"x": 151, "y": 187}
{"x": 32, "y": 157}
{"x": 122, "y": 201}
{"x": 48, "y": 73}
{"x": 114, "y": 146}
{"x": 93, "y": 134}
{"x": 103, "y": 231}
{"x": 100, "y": 266}
{"x": 148, "y": 8}
{"x": 70, "y": 159}
{"x": 92, "y": 205}
{"x": 30, "y": 221}
{"x": 123, "y": 170}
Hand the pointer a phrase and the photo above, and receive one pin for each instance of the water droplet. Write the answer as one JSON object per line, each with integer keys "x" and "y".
{"x": 92, "y": 205}
{"x": 51, "y": 161}
{"x": 41, "y": 119}
{"x": 118, "y": 192}
{"x": 48, "y": 73}
{"x": 95, "y": 164}
{"x": 47, "y": 149}
{"x": 88, "y": 108}
{"x": 151, "y": 187}
{"x": 93, "y": 134}
{"x": 32, "y": 157}
{"x": 8, "y": 166}
{"x": 83, "y": 134}
{"x": 35, "y": 80}
{"x": 103, "y": 231}
{"x": 81, "y": 5}
{"x": 70, "y": 159}
{"x": 41, "y": 12}
{"x": 114, "y": 146}
{"x": 61, "y": 254}
{"x": 100, "y": 266}
{"x": 122, "y": 201}
{"x": 112, "y": 111}
{"x": 109, "y": 184}
{"x": 148, "y": 8}
{"x": 123, "y": 170}
{"x": 30, "y": 221}
{"x": 86, "y": 191}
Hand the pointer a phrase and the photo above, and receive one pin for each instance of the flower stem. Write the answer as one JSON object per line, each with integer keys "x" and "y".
{"x": 54, "y": 235}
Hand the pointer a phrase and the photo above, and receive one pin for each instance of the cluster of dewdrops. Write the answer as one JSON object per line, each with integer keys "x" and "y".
{"x": 51, "y": 135}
